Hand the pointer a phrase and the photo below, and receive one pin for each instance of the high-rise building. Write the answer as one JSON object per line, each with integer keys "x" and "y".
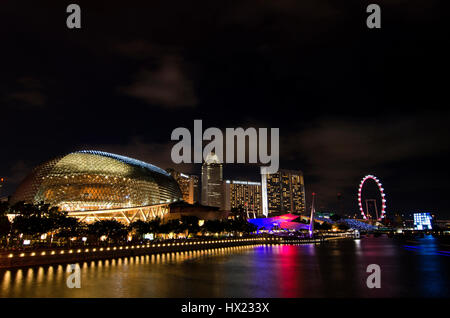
{"x": 212, "y": 178}
{"x": 283, "y": 192}
{"x": 245, "y": 195}
{"x": 194, "y": 191}
{"x": 188, "y": 185}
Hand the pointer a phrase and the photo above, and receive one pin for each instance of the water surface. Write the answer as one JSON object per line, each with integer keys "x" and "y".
{"x": 333, "y": 269}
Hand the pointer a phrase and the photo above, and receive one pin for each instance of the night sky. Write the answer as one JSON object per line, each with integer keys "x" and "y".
{"x": 348, "y": 100}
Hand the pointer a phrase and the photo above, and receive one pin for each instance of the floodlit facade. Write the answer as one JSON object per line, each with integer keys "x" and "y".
{"x": 188, "y": 184}
{"x": 244, "y": 195}
{"x": 285, "y": 222}
{"x": 94, "y": 185}
{"x": 423, "y": 221}
{"x": 283, "y": 192}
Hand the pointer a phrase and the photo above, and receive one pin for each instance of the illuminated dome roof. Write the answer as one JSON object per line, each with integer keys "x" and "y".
{"x": 95, "y": 180}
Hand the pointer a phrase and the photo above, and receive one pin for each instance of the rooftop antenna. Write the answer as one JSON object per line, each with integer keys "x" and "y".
{"x": 311, "y": 218}
{"x": 2, "y": 180}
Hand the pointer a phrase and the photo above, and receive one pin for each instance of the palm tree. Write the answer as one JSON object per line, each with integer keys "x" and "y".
{"x": 154, "y": 225}
{"x": 214, "y": 226}
{"x": 36, "y": 219}
{"x": 5, "y": 225}
{"x": 112, "y": 229}
{"x": 171, "y": 226}
{"x": 144, "y": 227}
{"x": 324, "y": 226}
{"x": 5, "y": 228}
{"x": 4, "y": 208}
{"x": 70, "y": 227}
{"x": 248, "y": 227}
{"x": 140, "y": 228}
{"x": 190, "y": 224}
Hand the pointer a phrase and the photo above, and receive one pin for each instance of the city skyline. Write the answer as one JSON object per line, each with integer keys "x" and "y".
{"x": 382, "y": 119}
{"x": 278, "y": 193}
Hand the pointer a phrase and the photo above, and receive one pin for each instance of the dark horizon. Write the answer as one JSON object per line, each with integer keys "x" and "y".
{"x": 349, "y": 101}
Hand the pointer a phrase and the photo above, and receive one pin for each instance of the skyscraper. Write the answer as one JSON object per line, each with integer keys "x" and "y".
{"x": 245, "y": 195}
{"x": 189, "y": 185}
{"x": 283, "y": 192}
{"x": 194, "y": 191}
{"x": 212, "y": 178}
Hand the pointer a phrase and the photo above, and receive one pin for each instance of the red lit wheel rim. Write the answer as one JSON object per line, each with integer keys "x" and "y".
{"x": 383, "y": 196}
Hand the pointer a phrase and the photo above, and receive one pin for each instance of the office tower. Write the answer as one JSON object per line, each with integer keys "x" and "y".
{"x": 188, "y": 185}
{"x": 283, "y": 192}
{"x": 212, "y": 187}
{"x": 245, "y": 195}
{"x": 194, "y": 191}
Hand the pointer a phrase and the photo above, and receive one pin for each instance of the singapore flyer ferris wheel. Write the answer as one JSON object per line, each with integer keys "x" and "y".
{"x": 382, "y": 194}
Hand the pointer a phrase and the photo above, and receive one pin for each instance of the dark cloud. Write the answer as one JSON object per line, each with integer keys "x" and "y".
{"x": 167, "y": 86}
{"x": 152, "y": 152}
{"x": 17, "y": 172}
{"x": 28, "y": 92}
{"x": 29, "y": 97}
{"x": 144, "y": 50}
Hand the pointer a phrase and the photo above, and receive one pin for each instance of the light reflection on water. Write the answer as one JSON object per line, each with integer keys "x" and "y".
{"x": 333, "y": 269}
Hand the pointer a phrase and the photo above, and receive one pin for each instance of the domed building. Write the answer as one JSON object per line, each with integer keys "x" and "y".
{"x": 94, "y": 185}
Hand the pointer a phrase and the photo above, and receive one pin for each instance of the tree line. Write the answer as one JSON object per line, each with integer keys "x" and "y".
{"x": 42, "y": 222}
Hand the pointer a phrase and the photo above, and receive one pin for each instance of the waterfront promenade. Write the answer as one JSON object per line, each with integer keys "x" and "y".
{"x": 11, "y": 259}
